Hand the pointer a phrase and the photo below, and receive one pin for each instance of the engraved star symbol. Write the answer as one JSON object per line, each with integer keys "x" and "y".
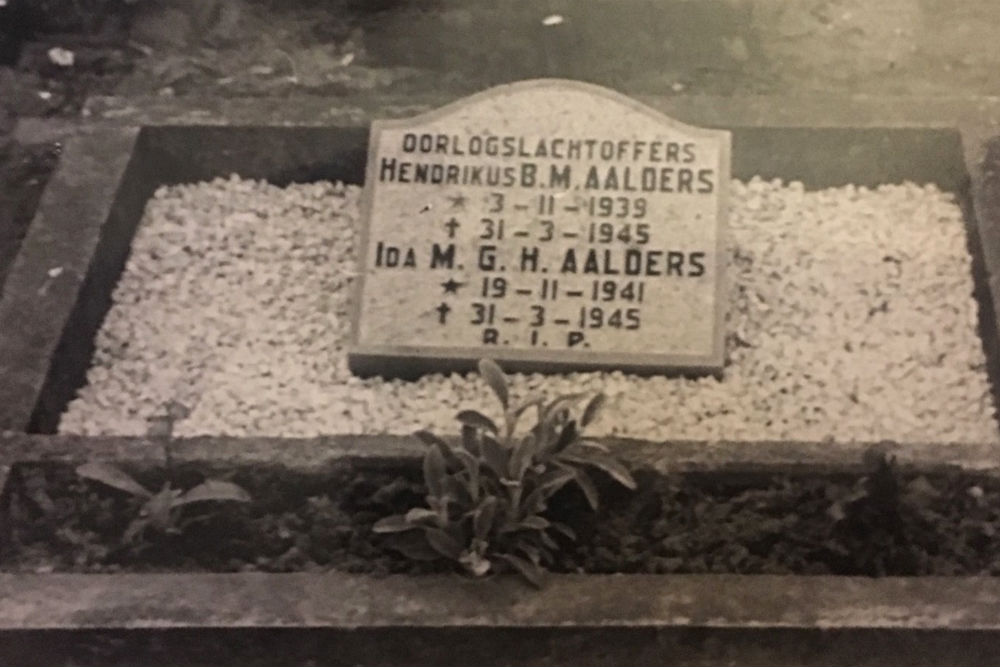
{"x": 451, "y": 286}
{"x": 443, "y": 311}
{"x": 458, "y": 201}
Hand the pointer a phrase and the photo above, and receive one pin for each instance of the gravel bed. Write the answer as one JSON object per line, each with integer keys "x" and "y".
{"x": 851, "y": 318}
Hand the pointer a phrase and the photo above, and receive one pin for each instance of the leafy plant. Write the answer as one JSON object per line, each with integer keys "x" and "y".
{"x": 875, "y": 498}
{"x": 487, "y": 493}
{"x": 160, "y": 511}
{"x": 871, "y": 520}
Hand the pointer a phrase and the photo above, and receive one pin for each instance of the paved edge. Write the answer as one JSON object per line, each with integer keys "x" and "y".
{"x": 62, "y": 256}
{"x": 334, "y": 599}
{"x": 667, "y": 456}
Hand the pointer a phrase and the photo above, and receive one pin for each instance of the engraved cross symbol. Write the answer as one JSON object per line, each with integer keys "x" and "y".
{"x": 443, "y": 311}
{"x": 452, "y": 225}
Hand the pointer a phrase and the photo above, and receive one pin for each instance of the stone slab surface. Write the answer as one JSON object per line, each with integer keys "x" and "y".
{"x": 303, "y": 453}
{"x": 334, "y": 619}
{"x": 335, "y": 599}
{"x": 978, "y": 116}
{"x": 546, "y": 221}
{"x": 61, "y": 253}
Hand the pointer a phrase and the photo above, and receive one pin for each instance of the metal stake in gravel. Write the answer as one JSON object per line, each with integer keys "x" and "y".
{"x": 552, "y": 225}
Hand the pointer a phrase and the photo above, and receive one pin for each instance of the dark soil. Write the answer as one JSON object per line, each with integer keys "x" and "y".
{"x": 297, "y": 521}
{"x": 886, "y": 523}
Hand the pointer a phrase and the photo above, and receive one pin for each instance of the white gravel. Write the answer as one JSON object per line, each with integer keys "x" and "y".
{"x": 851, "y": 319}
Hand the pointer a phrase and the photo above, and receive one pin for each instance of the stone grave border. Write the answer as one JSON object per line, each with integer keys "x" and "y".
{"x": 84, "y": 226}
{"x": 59, "y": 287}
{"x": 338, "y": 618}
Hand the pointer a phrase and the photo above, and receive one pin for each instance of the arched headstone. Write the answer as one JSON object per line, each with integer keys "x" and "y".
{"x": 552, "y": 225}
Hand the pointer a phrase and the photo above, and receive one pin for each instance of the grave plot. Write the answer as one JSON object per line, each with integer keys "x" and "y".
{"x": 586, "y": 256}
{"x": 147, "y": 227}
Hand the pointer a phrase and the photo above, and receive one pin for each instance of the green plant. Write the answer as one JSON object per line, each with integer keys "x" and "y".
{"x": 487, "y": 493}
{"x": 160, "y": 511}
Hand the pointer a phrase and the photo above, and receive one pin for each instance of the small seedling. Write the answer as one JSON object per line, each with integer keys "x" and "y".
{"x": 871, "y": 519}
{"x": 487, "y": 494}
{"x": 876, "y": 496}
{"x": 161, "y": 511}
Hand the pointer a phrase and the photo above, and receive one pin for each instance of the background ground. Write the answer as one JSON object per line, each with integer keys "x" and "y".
{"x": 140, "y": 50}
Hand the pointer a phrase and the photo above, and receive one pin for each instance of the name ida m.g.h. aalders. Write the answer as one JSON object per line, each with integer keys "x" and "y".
{"x": 625, "y": 165}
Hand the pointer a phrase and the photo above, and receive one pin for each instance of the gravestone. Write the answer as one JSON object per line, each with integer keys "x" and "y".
{"x": 551, "y": 225}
